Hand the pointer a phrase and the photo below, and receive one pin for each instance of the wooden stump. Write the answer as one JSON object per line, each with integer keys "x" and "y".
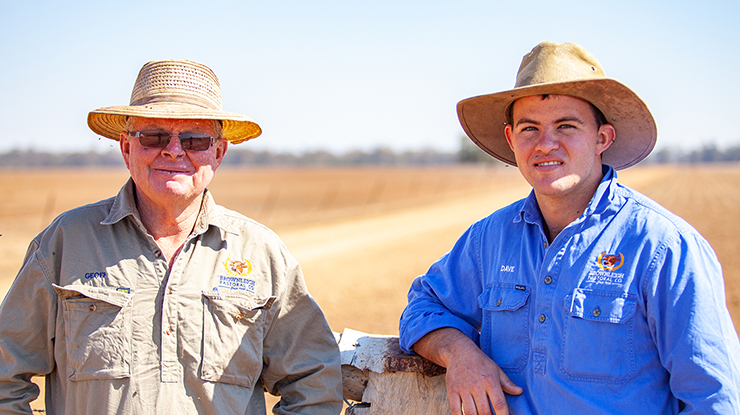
{"x": 383, "y": 380}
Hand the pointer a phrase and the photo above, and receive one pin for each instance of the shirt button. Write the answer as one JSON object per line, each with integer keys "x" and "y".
{"x": 158, "y": 253}
{"x": 542, "y": 318}
{"x": 597, "y": 312}
{"x": 168, "y": 332}
{"x": 548, "y": 280}
{"x": 93, "y": 307}
{"x": 498, "y": 303}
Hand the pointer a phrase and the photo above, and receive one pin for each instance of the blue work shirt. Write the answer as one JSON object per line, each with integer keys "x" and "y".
{"x": 624, "y": 313}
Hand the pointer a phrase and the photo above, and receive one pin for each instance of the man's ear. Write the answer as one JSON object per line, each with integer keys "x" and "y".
{"x": 604, "y": 138}
{"x": 125, "y": 145}
{"x": 508, "y": 130}
{"x": 221, "y": 146}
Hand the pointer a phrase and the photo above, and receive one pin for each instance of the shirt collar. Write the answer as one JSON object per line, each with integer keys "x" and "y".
{"x": 530, "y": 211}
{"x": 604, "y": 193}
{"x": 124, "y": 204}
{"x": 212, "y": 214}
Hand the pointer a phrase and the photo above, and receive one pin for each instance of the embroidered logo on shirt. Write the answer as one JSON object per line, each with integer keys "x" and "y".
{"x": 610, "y": 262}
{"x": 605, "y": 277}
{"x": 235, "y": 280}
{"x": 236, "y": 283}
{"x": 238, "y": 268}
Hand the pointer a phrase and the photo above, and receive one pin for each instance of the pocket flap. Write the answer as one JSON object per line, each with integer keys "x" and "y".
{"x": 504, "y": 297}
{"x": 243, "y": 301}
{"x": 601, "y": 305}
{"x": 119, "y": 297}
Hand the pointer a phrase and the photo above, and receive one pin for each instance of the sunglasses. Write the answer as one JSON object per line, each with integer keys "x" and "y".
{"x": 160, "y": 139}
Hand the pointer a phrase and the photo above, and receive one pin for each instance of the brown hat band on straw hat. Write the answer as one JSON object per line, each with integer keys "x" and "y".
{"x": 565, "y": 69}
{"x": 174, "y": 89}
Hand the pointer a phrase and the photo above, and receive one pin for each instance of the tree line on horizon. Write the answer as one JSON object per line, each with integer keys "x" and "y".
{"x": 235, "y": 157}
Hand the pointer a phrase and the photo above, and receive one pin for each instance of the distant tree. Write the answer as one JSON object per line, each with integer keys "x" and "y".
{"x": 468, "y": 152}
{"x": 732, "y": 154}
{"x": 664, "y": 155}
{"x": 35, "y": 159}
{"x": 709, "y": 153}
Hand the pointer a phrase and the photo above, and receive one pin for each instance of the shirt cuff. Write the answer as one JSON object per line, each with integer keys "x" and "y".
{"x": 414, "y": 328}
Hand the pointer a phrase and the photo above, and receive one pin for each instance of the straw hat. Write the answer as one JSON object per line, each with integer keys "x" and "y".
{"x": 176, "y": 89}
{"x": 565, "y": 69}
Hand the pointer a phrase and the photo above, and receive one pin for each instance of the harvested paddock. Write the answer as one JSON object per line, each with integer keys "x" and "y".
{"x": 362, "y": 234}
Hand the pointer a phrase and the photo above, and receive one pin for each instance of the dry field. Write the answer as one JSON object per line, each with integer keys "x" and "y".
{"x": 362, "y": 234}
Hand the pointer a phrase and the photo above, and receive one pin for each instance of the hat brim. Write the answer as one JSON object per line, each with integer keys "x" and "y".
{"x": 483, "y": 118}
{"x": 111, "y": 121}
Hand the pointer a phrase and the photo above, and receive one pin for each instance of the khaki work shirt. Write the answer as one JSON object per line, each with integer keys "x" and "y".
{"x": 96, "y": 309}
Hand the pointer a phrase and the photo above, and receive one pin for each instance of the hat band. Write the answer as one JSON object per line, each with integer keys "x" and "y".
{"x": 175, "y": 99}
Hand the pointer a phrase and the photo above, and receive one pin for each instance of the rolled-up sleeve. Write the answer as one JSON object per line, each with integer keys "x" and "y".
{"x": 301, "y": 358}
{"x": 446, "y": 296}
{"x": 26, "y": 334}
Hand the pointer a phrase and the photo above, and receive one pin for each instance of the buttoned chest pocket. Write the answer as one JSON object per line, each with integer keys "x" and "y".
{"x": 599, "y": 340}
{"x": 505, "y": 328}
{"x": 97, "y": 330}
{"x": 233, "y": 330}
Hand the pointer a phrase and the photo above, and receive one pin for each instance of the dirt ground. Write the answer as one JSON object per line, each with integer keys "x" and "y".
{"x": 363, "y": 234}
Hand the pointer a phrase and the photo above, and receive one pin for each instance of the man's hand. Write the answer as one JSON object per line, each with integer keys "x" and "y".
{"x": 475, "y": 383}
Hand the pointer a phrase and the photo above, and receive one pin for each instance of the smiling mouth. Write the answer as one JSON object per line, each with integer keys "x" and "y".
{"x": 549, "y": 163}
{"x": 172, "y": 171}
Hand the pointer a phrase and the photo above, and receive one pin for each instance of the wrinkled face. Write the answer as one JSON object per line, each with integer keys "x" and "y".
{"x": 558, "y": 145}
{"x": 171, "y": 175}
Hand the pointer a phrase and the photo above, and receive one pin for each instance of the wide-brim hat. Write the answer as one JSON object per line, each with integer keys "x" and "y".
{"x": 565, "y": 69}
{"x": 174, "y": 89}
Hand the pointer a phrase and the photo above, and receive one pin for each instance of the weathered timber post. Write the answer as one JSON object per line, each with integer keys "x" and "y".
{"x": 386, "y": 381}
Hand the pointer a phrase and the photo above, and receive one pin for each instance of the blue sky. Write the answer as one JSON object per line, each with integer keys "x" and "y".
{"x": 345, "y": 75}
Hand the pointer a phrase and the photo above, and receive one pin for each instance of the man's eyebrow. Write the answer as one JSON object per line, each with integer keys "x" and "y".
{"x": 525, "y": 121}
{"x": 567, "y": 118}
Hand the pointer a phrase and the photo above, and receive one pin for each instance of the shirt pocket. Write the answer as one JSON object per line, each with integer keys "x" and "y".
{"x": 98, "y": 331}
{"x": 505, "y": 328}
{"x": 232, "y": 338}
{"x": 599, "y": 340}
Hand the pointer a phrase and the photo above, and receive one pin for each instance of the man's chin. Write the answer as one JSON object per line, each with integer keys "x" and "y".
{"x": 174, "y": 189}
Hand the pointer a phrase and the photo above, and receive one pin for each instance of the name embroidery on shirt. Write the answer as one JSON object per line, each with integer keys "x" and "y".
{"x": 91, "y": 275}
{"x": 608, "y": 263}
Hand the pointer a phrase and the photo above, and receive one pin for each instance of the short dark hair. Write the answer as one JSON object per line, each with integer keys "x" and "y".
{"x": 598, "y": 115}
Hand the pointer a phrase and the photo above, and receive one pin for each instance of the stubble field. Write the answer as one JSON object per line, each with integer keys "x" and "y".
{"x": 363, "y": 234}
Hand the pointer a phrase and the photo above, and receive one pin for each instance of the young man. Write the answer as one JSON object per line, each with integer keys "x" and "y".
{"x": 586, "y": 297}
{"x": 160, "y": 301}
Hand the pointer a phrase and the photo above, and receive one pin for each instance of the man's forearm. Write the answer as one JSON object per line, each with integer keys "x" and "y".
{"x": 439, "y": 345}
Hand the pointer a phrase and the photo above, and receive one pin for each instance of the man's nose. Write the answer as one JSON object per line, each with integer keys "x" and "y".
{"x": 174, "y": 147}
{"x": 548, "y": 141}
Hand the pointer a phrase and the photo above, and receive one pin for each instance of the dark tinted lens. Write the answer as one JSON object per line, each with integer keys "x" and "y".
{"x": 154, "y": 139}
{"x": 195, "y": 142}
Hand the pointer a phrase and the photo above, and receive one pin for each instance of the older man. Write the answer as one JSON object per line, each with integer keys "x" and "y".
{"x": 159, "y": 300}
{"x": 586, "y": 297}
